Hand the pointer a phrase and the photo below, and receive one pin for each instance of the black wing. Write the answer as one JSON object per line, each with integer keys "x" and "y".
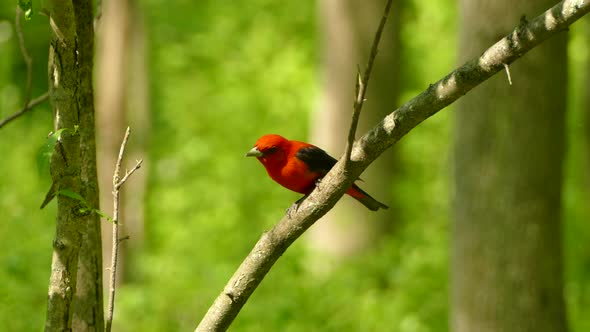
{"x": 317, "y": 159}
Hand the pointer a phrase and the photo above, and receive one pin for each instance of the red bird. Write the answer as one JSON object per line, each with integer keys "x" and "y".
{"x": 298, "y": 166}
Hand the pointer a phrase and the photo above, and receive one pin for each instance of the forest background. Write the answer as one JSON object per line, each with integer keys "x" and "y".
{"x": 209, "y": 79}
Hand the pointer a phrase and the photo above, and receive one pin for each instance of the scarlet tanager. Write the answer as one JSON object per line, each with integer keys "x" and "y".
{"x": 298, "y": 166}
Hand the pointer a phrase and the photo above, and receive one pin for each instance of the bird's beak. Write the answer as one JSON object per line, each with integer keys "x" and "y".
{"x": 254, "y": 153}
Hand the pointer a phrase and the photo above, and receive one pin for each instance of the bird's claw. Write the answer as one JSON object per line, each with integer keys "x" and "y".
{"x": 317, "y": 183}
{"x": 295, "y": 206}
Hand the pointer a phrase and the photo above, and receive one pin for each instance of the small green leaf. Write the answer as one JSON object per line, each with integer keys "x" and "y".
{"x": 103, "y": 215}
{"x": 71, "y": 194}
{"x": 74, "y": 195}
{"x": 45, "y": 152}
{"x": 27, "y": 7}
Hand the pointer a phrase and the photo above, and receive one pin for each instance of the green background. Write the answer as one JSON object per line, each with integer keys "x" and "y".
{"x": 222, "y": 73}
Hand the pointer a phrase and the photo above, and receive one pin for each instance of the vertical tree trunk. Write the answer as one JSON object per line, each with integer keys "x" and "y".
{"x": 348, "y": 29}
{"x": 88, "y": 312}
{"x": 506, "y": 247}
{"x": 111, "y": 104}
{"x": 122, "y": 100}
{"x": 138, "y": 116}
{"x": 73, "y": 167}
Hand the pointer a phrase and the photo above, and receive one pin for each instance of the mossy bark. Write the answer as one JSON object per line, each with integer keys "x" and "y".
{"x": 75, "y": 287}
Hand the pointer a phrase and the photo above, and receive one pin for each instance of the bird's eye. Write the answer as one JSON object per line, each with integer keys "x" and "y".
{"x": 270, "y": 150}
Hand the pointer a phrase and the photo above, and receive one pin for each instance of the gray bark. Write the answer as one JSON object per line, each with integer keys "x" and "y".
{"x": 76, "y": 248}
{"x": 506, "y": 246}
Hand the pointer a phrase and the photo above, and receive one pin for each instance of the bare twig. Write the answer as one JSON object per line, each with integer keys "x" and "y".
{"x": 392, "y": 128}
{"x": 25, "y": 54}
{"x": 28, "y": 103}
{"x": 126, "y": 237}
{"x": 128, "y": 174}
{"x": 363, "y": 82}
{"x": 117, "y": 183}
{"x": 507, "y": 68}
{"x": 25, "y": 109}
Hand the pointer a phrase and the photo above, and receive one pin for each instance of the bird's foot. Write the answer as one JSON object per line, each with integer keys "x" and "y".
{"x": 295, "y": 206}
{"x": 317, "y": 183}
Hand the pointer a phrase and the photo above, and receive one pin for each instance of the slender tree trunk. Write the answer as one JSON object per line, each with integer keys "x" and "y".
{"x": 112, "y": 86}
{"x": 348, "y": 29}
{"x": 506, "y": 247}
{"x": 122, "y": 100}
{"x": 73, "y": 167}
{"x": 138, "y": 117}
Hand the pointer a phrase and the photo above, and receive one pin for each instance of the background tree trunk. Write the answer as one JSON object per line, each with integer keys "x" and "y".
{"x": 348, "y": 28}
{"x": 73, "y": 167}
{"x": 113, "y": 43}
{"x": 506, "y": 247}
{"x": 122, "y": 100}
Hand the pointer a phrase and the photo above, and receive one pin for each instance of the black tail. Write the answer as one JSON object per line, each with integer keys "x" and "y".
{"x": 366, "y": 199}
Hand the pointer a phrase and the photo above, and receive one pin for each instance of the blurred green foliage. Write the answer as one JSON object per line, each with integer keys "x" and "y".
{"x": 222, "y": 74}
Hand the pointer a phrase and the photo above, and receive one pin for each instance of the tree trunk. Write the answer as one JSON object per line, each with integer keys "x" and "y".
{"x": 122, "y": 100}
{"x": 506, "y": 247}
{"x": 348, "y": 30}
{"x": 111, "y": 105}
{"x": 73, "y": 168}
{"x": 88, "y": 310}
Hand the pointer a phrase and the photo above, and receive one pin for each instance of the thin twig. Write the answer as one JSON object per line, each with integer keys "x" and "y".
{"x": 25, "y": 54}
{"x": 25, "y": 109}
{"x": 363, "y": 82}
{"x": 28, "y": 103}
{"x": 126, "y": 237}
{"x": 117, "y": 183}
{"x": 507, "y": 68}
{"x": 128, "y": 174}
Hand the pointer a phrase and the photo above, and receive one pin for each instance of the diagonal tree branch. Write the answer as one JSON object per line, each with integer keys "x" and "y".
{"x": 34, "y": 102}
{"x": 273, "y": 243}
{"x": 28, "y": 104}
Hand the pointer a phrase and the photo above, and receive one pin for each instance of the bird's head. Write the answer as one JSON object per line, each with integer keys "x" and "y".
{"x": 269, "y": 147}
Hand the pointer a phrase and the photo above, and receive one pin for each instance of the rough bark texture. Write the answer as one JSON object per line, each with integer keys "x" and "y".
{"x": 507, "y": 264}
{"x": 348, "y": 28}
{"x": 273, "y": 243}
{"x": 73, "y": 167}
{"x": 88, "y": 312}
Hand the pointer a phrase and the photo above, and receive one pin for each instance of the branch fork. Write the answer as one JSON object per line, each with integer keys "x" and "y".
{"x": 118, "y": 182}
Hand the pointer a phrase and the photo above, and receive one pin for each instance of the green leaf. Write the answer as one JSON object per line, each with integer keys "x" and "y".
{"x": 27, "y": 7}
{"x": 74, "y": 195}
{"x": 103, "y": 215}
{"x": 45, "y": 152}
